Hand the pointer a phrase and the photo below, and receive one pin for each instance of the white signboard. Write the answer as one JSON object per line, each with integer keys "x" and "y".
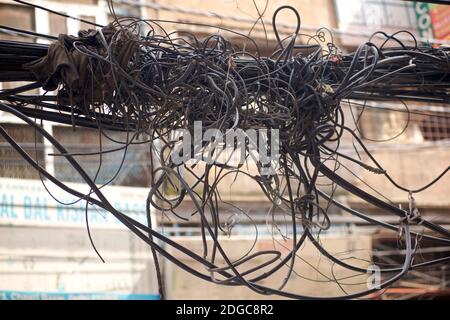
{"x": 45, "y": 251}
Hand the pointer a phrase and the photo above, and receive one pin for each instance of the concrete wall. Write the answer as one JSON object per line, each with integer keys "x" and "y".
{"x": 411, "y": 169}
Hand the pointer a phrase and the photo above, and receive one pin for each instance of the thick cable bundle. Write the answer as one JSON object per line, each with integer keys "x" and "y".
{"x": 155, "y": 84}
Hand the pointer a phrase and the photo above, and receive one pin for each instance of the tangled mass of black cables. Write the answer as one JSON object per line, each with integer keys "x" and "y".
{"x": 133, "y": 76}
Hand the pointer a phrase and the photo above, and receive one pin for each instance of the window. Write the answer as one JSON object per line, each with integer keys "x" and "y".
{"x": 91, "y": 2}
{"x": 386, "y": 120}
{"x": 125, "y": 10}
{"x": 87, "y": 26}
{"x": 19, "y": 17}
